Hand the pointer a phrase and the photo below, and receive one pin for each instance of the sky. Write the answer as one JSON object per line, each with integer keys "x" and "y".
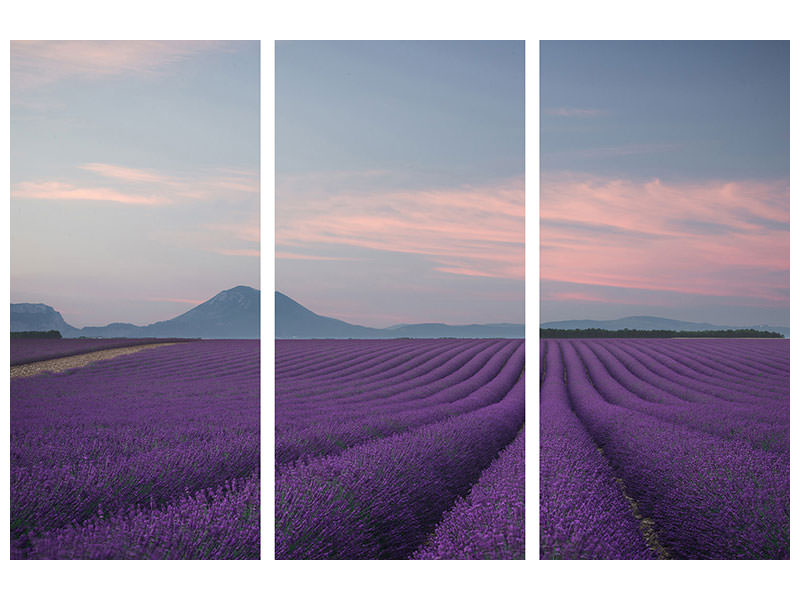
{"x": 665, "y": 181}
{"x": 134, "y": 176}
{"x": 400, "y": 180}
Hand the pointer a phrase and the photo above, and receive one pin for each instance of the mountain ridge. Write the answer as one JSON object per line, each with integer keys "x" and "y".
{"x": 232, "y": 313}
{"x": 295, "y": 321}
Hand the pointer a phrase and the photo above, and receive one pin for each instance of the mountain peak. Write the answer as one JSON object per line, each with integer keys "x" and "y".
{"x": 232, "y": 313}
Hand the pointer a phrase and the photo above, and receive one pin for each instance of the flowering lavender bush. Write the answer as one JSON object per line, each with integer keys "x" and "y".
{"x": 699, "y": 453}
{"x": 369, "y": 464}
{"x": 150, "y": 455}
{"x": 490, "y": 522}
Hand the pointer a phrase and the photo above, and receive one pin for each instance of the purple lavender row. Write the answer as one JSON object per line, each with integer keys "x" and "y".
{"x": 772, "y": 354}
{"x": 383, "y": 498}
{"x": 194, "y": 358}
{"x": 105, "y": 436}
{"x": 419, "y": 384}
{"x": 678, "y": 385}
{"x": 413, "y": 366}
{"x": 490, "y": 522}
{"x": 720, "y": 392}
{"x": 487, "y": 387}
{"x": 381, "y": 365}
{"x": 459, "y": 375}
{"x": 731, "y": 357}
{"x": 755, "y": 425}
{"x": 376, "y": 361}
{"x": 293, "y": 354}
{"x": 642, "y": 373}
{"x": 707, "y": 362}
{"x": 26, "y": 350}
{"x": 290, "y": 353}
{"x": 215, "y": 523}
{"x": 583, "y": 513}
{"x": 707, "y": 497}
{"x": 661, "y": 361}
{"x": 542, "y": 362}
{"x": 336, "y": 357}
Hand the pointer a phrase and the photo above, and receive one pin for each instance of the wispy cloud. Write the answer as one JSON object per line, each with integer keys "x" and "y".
{"x": 295, "y": 256}
{"x": 39, "y": 63}
{"x": 564, "y": 111}
{"x": 55, "y": 190}
{"x": 201, "y": 193}
{"x": 724, "y": 238}
{"x": 470, "y": 231}
{"x": 140, "y": 186}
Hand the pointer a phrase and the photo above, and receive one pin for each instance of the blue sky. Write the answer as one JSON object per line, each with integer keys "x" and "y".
{"x": 400, "y": 180}
{"x": 134, "y": 174}
{"x": 665, "y": 173}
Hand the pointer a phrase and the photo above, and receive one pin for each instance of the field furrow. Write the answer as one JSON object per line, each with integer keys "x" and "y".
{"x": 367, "y": 468}
{"x": 702, "y": 494}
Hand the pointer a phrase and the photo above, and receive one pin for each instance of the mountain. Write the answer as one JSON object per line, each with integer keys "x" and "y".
{"x": 26, "y": 316}
{"x": 293, "y": 320}
{"x": 233, "y": 313}
{"x": 649, "y": 323}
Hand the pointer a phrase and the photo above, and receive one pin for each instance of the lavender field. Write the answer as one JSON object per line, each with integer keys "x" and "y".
{"x": 664, "y": 449}
{"x": 149, "y": 455}
{"x": 395, "y": 449}
{"x": 25, "y": 350}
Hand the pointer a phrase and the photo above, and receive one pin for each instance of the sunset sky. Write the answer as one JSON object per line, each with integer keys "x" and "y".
{"x": 665, "y": 181}
{"x": 134, "y": 176}
{"x": 400, "y": 180}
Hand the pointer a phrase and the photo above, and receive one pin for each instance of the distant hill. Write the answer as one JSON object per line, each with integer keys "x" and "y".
{"x": 293, "y": 320}
{"x": 653, "y": 323}
{"x": 233, "y": 313}
{"x": 26, "y": 316}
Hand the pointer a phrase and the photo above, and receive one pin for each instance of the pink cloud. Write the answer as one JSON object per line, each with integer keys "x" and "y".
{"x": 712, "y": 238}
{"x": 127, "y": 173}
{"x": 470, "y": 231}
{"x": 37, "y": 63}
{"x": 143, "y": 186}
{"x": 295, "y": 256}
{"x": 53, "y": 190}
{"x": 101, "y": 182}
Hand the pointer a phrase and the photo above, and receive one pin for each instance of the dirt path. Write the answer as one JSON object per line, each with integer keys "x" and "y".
{"x": 57, "y": 365}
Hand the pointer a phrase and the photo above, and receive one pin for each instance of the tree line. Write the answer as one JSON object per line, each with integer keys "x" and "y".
{"x": 53, "y": 333}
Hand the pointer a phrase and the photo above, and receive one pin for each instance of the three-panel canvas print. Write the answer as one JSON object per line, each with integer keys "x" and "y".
{"x": 660, "y": 429}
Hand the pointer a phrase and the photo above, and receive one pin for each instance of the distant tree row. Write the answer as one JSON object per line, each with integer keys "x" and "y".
{"x": 655, "y": 333}
{"x": 36, "y": 334}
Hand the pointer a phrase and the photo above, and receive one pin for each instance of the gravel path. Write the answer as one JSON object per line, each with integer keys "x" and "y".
{"x": 56, "y": 365}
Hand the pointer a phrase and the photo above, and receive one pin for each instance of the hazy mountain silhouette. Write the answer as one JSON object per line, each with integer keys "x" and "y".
{"x": 233, "y": 313}
{"x": 293, "y": 320}
{"x": 649, "y": 323}
{"x": 26, "y": 316}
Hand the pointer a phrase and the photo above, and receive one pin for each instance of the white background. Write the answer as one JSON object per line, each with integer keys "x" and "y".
{"x": 411, "y": 19}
